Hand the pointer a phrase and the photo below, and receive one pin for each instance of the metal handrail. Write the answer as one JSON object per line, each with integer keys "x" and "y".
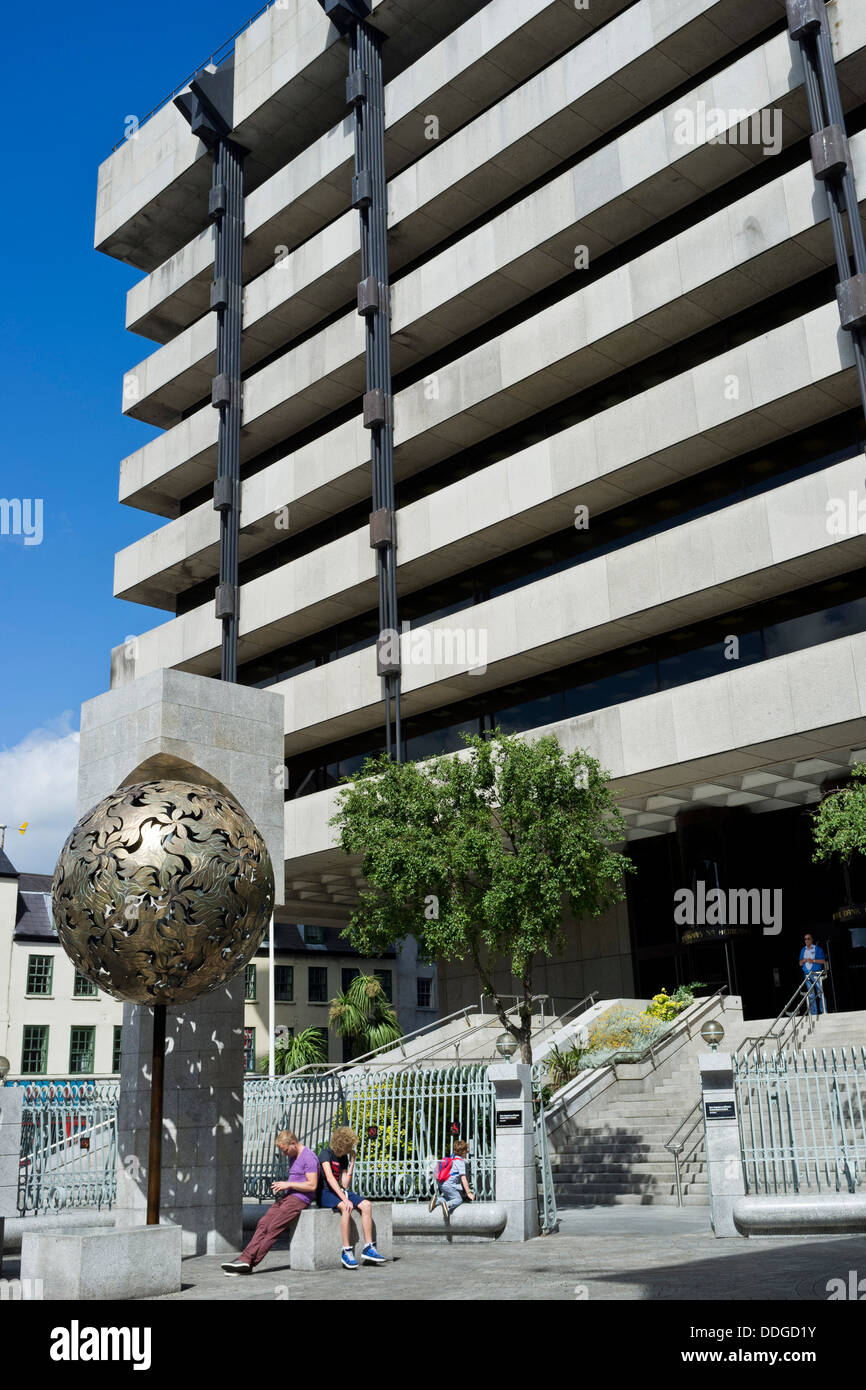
{"x": 218, "y": 56}
{"x": 695, "y": 1115}
{"x": 560, "y": 1020}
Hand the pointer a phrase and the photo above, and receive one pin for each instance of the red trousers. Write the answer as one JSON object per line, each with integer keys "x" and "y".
{"x": 271, "y": 1226}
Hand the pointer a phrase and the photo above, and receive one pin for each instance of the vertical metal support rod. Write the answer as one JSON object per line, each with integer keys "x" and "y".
{"x": 365, "y": 60}
{"x": 825, "y": 107}
{"x": 228, "y": 173}
{"x": 157, "y": 1084}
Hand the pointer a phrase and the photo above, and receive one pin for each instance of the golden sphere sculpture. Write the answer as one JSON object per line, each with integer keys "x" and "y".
{"x": 163, "y": 892}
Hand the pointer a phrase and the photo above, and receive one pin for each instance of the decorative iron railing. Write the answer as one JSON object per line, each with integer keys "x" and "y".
{"x": 802, "y": 1120}
{"x": 68, "y": 1154}
{"x": 406, "y": 1120}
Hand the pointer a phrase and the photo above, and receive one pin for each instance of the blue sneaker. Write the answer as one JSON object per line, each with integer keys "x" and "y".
{"x": 348, "y": 1259}
{"x": 372, "y": 1256}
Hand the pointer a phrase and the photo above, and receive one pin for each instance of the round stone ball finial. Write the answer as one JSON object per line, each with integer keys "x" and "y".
{"x": 163, "y": 892}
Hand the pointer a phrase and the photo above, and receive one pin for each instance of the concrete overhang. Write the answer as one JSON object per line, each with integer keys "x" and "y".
{"x": 624, "y": 187}
{"x": 461, "y": 77}
{"x": 290, "y": 71}
{"x": 765, "y": 737}
{"x": 590, "y": 90}
{"x": 792, "y": 377}
{"x": 732, "y": 259}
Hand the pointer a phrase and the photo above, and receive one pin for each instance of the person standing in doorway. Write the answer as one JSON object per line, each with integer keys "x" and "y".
{"x": 812, "y": 963}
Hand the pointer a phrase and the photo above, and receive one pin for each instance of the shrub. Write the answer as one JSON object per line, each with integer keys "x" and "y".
{"x": 666, "y": 1006}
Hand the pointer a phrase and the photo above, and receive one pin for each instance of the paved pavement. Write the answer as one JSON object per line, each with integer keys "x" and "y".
{"x": 602, "y": 1253}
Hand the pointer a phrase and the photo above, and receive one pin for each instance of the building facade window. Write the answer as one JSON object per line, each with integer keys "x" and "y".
{"x": 249, "y": 1049}
{"x": 83, "y": 988}
{"x": 317, "y": 984}
{"x": 40, "y": 974}
{"x": 323, "y": 1033}
{"x": 314, "y": 936}
{"x": 284, "y": 984}
{"x": 82, "y": 1046}
{"x": 425, "y": 992}
{"x": 34, "y": 1049}
{"x": 348, "y": 974}
{"x": 385, "y": 980}
{"x": 250, "y": 983}
{"x": 116, "y": 1047}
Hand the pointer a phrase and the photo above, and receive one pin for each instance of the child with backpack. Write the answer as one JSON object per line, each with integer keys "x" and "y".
{"x": 451, "y": 1181}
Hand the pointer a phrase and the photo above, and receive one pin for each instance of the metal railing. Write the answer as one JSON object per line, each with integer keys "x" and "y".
{"x": 547, "y": 1212}
{"x": 789, "y": 1021}
{"x": 68, "y": 1155}
{"x": 406, "y": 1120}
{"x": 403, "y": 1119}
{"x": 561, "y": 1020}
{"x": 802, "y": 1120}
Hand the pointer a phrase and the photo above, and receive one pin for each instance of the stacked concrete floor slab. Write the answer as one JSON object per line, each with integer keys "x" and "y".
{"x": 595, "y": 304}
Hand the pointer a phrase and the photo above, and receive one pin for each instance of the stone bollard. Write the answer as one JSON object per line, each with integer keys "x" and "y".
{"x": 516, "y": 1175}
{"x": 722, "y": 1140}
{"x": 11, "y": 1105}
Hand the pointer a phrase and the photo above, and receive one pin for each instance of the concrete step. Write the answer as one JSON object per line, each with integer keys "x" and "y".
{"x": 652, "y": 1168}
{"x": 631, "y": 1199}
{"x": 574, "y": 1192}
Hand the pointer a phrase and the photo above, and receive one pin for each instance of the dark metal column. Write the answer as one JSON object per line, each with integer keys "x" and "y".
{"x": 365, "y": 93}
{"x": 227, "y": 209}
{"x": 808, "y": 25}
{"x": 208, "y": 106}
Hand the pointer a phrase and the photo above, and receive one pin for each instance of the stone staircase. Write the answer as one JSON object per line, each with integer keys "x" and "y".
{"x": 617, "y": 1156}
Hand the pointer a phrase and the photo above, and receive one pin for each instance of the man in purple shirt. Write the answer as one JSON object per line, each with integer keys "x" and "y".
{"x": 292, "y": 1197}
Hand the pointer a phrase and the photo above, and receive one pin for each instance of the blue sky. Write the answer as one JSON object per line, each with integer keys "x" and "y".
{"x": 72, "y": 75}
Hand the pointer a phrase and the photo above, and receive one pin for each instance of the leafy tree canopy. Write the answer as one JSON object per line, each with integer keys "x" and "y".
{"x": 475, "y": 854}
{"x": 839, "y": 824}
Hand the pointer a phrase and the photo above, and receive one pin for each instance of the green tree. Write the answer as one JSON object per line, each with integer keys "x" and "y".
{"x": 363, "y": 1015}
{"x": 476, "y": 854}
{"x": 839, "y": 824}
{"x": 308, "y": 1047}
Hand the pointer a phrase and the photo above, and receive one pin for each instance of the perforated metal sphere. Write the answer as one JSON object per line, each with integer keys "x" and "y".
{"x": 163, "y": 892}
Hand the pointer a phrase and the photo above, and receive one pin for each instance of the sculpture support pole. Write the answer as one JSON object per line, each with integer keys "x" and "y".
{"x": 157, "y": 1081}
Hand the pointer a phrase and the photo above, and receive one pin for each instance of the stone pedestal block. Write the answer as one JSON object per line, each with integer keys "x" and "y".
{"x": 11, "y": 1104}
{"x": 516, "y": 1174}
{"x": 722, "y": 1139}
{"x": 315, "y": 1237}
{"x": 143, "y": 1262}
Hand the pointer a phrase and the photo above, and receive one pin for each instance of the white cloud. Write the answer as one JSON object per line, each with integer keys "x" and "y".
{"x": 38, "y": 784}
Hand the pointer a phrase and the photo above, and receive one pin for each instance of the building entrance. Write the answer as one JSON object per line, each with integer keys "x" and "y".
{"x": 732, "y": 864}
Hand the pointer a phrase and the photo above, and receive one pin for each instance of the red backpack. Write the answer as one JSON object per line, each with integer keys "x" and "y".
{"x": 443, "y": 1172}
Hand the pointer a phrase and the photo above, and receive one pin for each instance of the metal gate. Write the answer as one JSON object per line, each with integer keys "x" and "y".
{"x": 68, "y": 1155}
{"x": 405, "y": 1121}
{"x": 802, "y": 1120}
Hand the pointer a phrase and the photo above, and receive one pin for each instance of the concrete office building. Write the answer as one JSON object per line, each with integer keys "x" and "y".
{"x": 628, "y": 440}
